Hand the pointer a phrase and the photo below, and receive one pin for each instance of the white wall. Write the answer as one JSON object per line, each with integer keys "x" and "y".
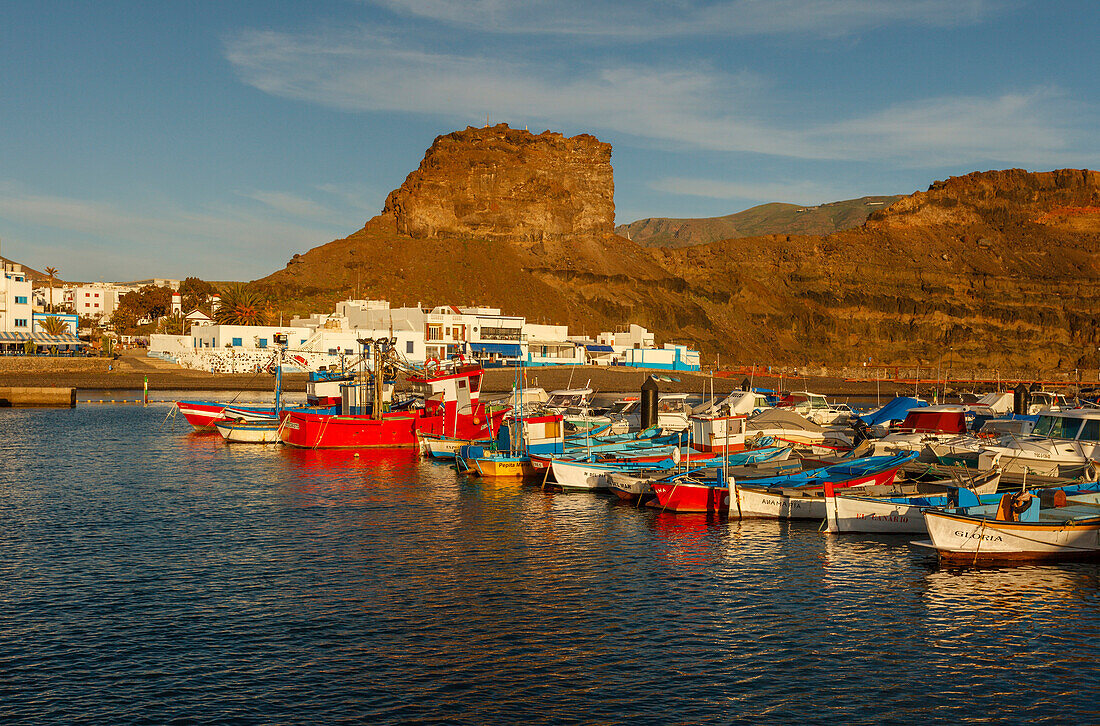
{"x": 15, "y": 316}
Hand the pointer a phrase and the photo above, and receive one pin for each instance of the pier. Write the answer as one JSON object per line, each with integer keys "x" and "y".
{"x": 37, "y": 397}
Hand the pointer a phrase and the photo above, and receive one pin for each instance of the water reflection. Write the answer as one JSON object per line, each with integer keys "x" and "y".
{"x": 280, "y": 585}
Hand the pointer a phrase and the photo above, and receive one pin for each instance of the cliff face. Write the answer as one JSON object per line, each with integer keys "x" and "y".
{"x": 997, "y": 199}
{"x": 994, "y": 269}
{"x": 501, "y": 182}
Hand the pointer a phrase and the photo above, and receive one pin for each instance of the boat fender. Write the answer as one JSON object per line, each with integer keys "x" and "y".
{"x": 1090, "y": 474}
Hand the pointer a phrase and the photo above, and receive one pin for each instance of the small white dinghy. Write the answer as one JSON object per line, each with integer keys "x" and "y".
{"x": 249, "y": 432}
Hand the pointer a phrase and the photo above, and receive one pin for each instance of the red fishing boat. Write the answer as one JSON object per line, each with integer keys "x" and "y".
{"x": 451, "y": 408}
{"x": 776, "y": 496}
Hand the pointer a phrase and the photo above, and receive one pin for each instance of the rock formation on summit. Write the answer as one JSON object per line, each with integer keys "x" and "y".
{"x": 499, "y": 182}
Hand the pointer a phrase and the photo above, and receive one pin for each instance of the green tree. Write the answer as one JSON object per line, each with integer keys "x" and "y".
{"x": 195, "y": 293}
{"x": 156, "y": 301}
{"x": 241, "y": 305}
{"x": 52, "y": 273}
{"x": 54, "y": 326}
{"x": 124, "y": 318}
{"x": 174, "y": 325}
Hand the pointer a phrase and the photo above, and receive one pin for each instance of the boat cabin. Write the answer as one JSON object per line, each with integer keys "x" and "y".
{"x": 997, "y": 403}
{"x": 1042, "y": 401}
{"x": 744, "y": 402}
{"x": 323, "y": 387}
{"x": 451, "y": 389}
{"x": 624, "y": 407}
{"x": 569, "y": 398}
{"x": 805, "y": 402}
{"x": 1077, "y": 424}
{"x": 540, "y": 435}
{"x": 718, "y": 433}
{"x": 947, "y": 419}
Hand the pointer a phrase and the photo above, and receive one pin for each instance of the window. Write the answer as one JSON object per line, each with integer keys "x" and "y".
{"x": 20, "y": 300}
{"x": 87, "y": 294}
{"x": 435, "y": 332}
{"x": 408, "y": 347}
{"x": 97, "y": 294}
{"x": 20, "y": 322}
{"x": 332, "y": 351}
{"x": 262, "y": 343}
{"x": 237, "y": 342}
{"x": 1090, "y": 431}
{"x": 1057, "y": 427}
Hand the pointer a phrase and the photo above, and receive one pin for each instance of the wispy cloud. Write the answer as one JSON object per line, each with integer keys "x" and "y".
{"x": 218, "y": 242}
{"x": 696, "y": 106}
{"x": 292, "y": 204}
{"x": 648, "y": 19}
{"x": 794, "y": 191}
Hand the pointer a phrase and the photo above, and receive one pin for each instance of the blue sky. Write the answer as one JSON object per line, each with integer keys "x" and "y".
{"x": 219, "y": 138}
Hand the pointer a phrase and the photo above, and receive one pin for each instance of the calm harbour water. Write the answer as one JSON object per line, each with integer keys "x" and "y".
{"x": 151, "y": 575}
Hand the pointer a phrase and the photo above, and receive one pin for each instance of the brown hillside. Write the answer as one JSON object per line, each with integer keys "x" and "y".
{"x": 771, "y": 218}
{"x": 986, "y": 264}
{"x": 1002, "y": 267}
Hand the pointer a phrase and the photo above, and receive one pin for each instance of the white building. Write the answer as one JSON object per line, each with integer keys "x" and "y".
{"x": 670, "y": 357}
{"x": 155, "y": 282}
{"x": 549, "y": 345}
{"x": 633, "y": 336}
{"x": 438, "y": 333}
{"x": 69, "y": 319}
{"x": 16, "y": 303}
{"x": 95, "y": 300}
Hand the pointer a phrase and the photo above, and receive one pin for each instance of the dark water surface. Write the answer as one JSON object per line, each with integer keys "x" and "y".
{"x": 151, "y": 575}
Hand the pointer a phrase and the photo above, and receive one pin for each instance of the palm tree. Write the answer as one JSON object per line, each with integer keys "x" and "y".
{"x": 54, "y": 326}
{"x": 241, "y": 305}
{"x": 52, "y": 272}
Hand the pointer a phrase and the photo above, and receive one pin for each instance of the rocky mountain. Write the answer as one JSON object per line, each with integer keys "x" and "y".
{"x": 995, "y": 269}
{"x": 502, "y": 182}
{"x": 773, "y": 218}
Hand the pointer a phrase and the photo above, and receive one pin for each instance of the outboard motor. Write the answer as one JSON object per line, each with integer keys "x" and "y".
{"x": 649, "y": 403}
{"x": 1021, "y": 399}
{"x": 861, "y": 432}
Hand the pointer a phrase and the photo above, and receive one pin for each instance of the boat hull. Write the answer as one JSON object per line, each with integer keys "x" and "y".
{"x": 863, "y": 514}
{"x": 238, "y": 432}
{"x": 204, "y": 417}
{"x": 576, "y": 475}
{"x": 973, "y": 540}
{"x": 314, "y": 431}
{"x": 854, "y": 513}
{"x": 444, "y": 447}
{"x": 688, "y": 497}
{"x": 772, "y": 503}
{"x": 760, "y": 503}
{"x": 494, "y": 467}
